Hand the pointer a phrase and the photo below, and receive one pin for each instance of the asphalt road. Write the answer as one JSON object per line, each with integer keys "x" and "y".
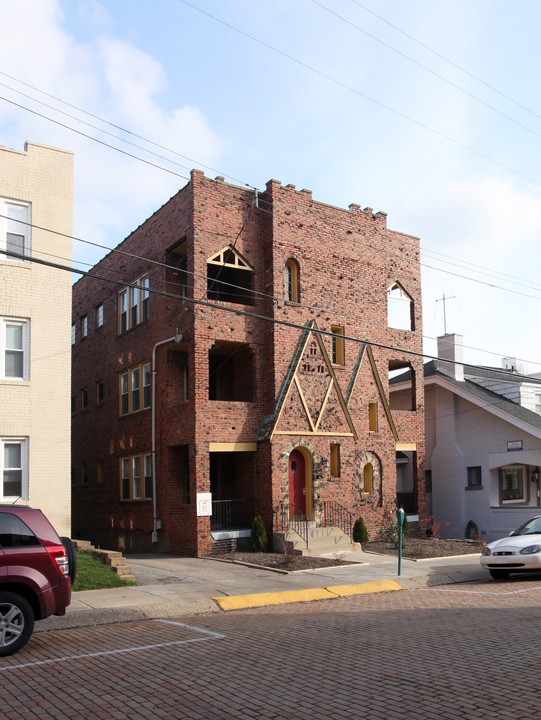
{"x": 435, "y": 653}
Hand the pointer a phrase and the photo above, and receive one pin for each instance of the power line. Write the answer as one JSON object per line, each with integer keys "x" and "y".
{"x": 237, "y": 311}
{"x": 427, "y": 69}
{"x": 447, "y": 60}
{"x": 262, "y": 200}
{"x": 344, "y": 85}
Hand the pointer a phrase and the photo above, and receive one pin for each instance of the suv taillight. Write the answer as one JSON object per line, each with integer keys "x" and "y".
{"x": 58, "y": 554}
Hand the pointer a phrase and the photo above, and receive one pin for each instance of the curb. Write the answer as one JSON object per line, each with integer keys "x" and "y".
{"x": 244, "y": 602}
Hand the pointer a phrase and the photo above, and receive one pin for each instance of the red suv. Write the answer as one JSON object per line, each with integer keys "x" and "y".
{"x": 37, "y": 569}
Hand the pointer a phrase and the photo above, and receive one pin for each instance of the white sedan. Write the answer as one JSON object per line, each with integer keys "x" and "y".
{"x": 519, "y": 552}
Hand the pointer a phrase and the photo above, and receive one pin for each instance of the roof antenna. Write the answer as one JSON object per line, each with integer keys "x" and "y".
{"x": 443, "y": 299}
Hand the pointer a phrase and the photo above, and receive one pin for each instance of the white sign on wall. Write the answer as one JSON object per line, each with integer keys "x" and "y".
{"x": 204, "y": 504}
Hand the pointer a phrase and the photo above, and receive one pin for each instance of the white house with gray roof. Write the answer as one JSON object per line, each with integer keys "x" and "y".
{"x": 483, "y": 444}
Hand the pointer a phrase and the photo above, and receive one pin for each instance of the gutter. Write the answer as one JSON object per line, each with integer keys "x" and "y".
{"x": 156, "y": 525}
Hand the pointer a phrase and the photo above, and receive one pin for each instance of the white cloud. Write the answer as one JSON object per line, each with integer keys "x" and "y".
{"x": 114, "y": 80}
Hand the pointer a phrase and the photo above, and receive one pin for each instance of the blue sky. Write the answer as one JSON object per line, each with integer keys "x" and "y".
{"x": 429, "y": 111}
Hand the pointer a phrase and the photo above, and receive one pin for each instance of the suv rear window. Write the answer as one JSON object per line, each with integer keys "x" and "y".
{"x": 14, "y": 532}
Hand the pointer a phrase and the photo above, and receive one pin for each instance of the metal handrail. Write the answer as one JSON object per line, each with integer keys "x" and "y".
{"x": 291, "y": 518}
{"x": 334, "y": 515}
{"x": 232, "y": 514}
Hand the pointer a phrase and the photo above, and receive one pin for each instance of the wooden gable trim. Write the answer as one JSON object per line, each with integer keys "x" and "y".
{"x": 238, "y": 262}
{"x": 366, "y": 348}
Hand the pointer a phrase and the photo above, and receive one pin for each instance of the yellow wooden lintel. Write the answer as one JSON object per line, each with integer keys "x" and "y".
{"x": 405, "y": 447}
{"x": 232, "y": 447}
{"x": 299, "y": 433}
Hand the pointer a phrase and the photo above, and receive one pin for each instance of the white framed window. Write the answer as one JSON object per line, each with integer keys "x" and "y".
{"x": 73, "y": 334}
{"x": 15, "y": 218}
{"x": 84, "y": 326}
{"x": 99, "y": 316}
{"x": 14, "y": 468}
{"x": 133, "y": 484}
{"x": 514, "y": 485}
{"x": 133, "y": 304}
{"x": 134, "y": 394}
{"x": 14, "y": 349}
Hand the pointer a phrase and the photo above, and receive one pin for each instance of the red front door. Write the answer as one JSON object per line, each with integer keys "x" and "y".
{"x": 297, "y": 483}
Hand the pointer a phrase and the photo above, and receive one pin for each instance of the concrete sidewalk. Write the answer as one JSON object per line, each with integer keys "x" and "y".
{"x": 176, "y": 586}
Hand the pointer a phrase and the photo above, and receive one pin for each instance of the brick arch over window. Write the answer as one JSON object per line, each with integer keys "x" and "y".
{"x": 369, "y": 475}
{"x": 400, "y": 308}
{"x": 292, "y": 276}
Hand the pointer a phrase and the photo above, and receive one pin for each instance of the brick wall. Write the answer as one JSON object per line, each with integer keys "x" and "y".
{"x": 347, "y": 261}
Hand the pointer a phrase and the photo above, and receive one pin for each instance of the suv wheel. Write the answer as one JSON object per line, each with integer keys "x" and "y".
{"x": 72, "y": 557}
{"x": 16, "y": 622}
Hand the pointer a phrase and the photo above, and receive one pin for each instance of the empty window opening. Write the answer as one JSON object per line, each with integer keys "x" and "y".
{"x": 291, "y": 281}
{"x": 399, "y": 308}
{"x": 229, "y": 277}
{"x": 402, "y": 395}
{"x": 335, "y": 460}
{"x": 373, "y": 417}
{"x": 178, "y": 389}
{"x": 177, "y": 268}
{"x": 338, "y": 350}
{"x": 232, "y": 479}
{"x": 231, "y": 373}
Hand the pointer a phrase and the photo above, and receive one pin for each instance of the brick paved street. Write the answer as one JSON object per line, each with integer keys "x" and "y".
{"x": 434, "y": 654}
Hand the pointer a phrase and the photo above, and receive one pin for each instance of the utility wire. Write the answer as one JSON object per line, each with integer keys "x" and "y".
{"x": 447, "y": 60}
{"x": 237, "y": 311}
{"x": 344, "y": 85}
{"x": 262, "y": 200}
{"x": 111, "y": 124}
{"x": 427, "y": 69}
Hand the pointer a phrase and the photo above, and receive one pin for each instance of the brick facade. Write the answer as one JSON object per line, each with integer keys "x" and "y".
{"x": 248, "y": 376}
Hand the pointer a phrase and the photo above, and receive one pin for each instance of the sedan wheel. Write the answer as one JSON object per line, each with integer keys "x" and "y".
{"x": 16, "y": 622}
{"x": 499, "y": 574}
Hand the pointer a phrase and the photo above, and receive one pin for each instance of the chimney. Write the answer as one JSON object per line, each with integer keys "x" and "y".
{"x": 450, "y": 348}
{"x": 509, "y": 363}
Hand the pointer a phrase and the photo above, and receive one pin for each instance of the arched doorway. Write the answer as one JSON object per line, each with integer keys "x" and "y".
{"x": 297, "y": 483}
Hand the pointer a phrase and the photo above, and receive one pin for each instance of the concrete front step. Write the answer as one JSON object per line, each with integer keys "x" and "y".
{"x": 113, "y": 558}
{"x": 321, "y": 541}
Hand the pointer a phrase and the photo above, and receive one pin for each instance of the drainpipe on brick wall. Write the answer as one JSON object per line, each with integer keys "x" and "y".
{"x": 156, "y": 523}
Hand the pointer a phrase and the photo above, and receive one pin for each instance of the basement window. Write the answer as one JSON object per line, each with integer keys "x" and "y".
{"x": 229, "y": 277}
{"x": 231, "y": 372}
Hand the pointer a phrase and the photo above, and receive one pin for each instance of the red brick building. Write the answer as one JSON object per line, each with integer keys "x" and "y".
{"x": 240, "y": 344}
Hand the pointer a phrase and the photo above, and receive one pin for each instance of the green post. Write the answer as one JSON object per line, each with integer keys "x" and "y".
{"x": 400, "y": 521}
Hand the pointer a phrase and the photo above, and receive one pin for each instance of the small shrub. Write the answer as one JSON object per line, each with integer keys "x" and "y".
{"x": 434, "y": 527}
{"x": 391, "y": 534}
{"x": 258, "y": 535}
{"x": 360, "y": 533}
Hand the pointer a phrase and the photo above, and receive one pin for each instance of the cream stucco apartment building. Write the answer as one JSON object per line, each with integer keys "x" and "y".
{"x": 36, "y": 209}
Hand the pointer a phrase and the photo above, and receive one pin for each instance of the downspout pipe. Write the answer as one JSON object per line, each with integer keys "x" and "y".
{"x": 156, "y": 525}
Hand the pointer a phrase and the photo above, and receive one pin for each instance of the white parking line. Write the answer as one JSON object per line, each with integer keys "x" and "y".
{"x": 476, "y": 592}
{"x": 210, "y": 635}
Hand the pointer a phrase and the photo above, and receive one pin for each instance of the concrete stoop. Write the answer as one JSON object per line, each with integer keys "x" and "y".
{"x": 113, "y": 558}
{"x": 321, "y": 541}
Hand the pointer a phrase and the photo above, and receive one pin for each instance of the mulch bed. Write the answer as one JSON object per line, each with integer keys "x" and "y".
{"x": 415, "y": 548}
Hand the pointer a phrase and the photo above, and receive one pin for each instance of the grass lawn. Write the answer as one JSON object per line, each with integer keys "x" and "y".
{"x": 92, "y": 574}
